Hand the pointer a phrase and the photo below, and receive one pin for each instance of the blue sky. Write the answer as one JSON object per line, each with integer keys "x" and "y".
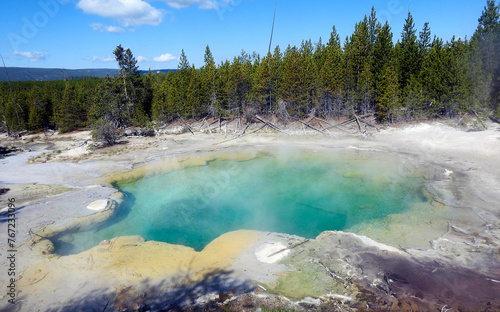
{"x": 83, "y": 33}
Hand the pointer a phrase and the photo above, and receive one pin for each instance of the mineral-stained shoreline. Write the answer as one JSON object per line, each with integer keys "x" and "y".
{"x": 447, "y": 261}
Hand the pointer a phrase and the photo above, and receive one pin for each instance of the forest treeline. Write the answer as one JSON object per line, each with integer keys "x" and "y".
{"x": 414, "y": 76}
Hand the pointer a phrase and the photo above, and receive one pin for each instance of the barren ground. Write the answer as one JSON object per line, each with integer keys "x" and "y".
{"x": 444, "y": 259}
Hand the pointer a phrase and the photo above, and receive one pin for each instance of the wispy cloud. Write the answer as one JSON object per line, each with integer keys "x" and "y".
{"x": 106, "y": 28}
{"x": 141, "y": 59}
{"x": 202, "y": 4}
{"x": 126, "y": 12}
{"x": 221, "y": 6}
{"x": 102, "y": 59}
{"x": 167, "y": 57}
{"x": 32, "y": 56}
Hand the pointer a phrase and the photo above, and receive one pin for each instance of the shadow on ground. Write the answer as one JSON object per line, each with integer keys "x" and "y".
{"x": 176, "y": 294}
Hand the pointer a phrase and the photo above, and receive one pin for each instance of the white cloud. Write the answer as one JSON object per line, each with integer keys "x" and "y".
{"x": 167, "y": 57}
{"x": 126, "y": 12}
{"x": 32, "y": 56}
{"x": 105, "y": 28}
{"x": 102, "y": 59}
{"x": 202, "y": 4}
{"x": 141, "y": 59}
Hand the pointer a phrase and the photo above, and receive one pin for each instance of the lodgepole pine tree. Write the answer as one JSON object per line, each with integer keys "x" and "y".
{"x": 359, "y": 79}
{"x": 388, "y": 100}
{"x": 408, "y": 58}
{"x": 486, "y": 39}
{"x": 209, "y": 90}
{"x": 68, "y": 110}
{"x": 183, "y": 74}
{"x": 331, "y": 79}
{"x": 129, "y": 71}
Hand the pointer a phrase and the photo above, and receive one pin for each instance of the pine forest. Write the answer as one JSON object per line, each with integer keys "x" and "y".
{"x": 403, "y": 76}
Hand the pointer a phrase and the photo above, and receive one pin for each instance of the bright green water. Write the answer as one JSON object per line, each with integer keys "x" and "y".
{"x": 302, "y": 194}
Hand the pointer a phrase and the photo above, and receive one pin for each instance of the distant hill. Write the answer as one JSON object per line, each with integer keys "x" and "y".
{"x": 47, "y": 74}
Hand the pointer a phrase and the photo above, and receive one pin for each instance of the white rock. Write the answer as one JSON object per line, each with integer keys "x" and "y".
{"x": 98, "y": 205}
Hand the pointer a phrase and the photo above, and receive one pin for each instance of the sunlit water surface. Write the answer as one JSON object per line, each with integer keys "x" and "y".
{"x": 295, "y": 193}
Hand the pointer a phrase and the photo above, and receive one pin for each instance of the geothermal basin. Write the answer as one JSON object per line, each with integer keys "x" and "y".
{"x": 404, "y": 220}
{"x": 293, "y": 192}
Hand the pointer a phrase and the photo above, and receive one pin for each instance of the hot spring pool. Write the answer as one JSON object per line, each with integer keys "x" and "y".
{"x": 294, "y": 193}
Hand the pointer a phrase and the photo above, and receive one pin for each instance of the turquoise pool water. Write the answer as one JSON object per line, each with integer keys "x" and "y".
{"x": 295, "y": 193}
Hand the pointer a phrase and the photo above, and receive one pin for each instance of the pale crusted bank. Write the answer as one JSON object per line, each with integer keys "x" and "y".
{"x": 456, "y": 265}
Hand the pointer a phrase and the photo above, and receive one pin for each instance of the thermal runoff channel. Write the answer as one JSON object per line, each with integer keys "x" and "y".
{"x": 295, "y": 193}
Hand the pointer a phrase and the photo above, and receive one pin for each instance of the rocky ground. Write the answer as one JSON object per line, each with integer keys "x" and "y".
{"x": 447, "y": 259}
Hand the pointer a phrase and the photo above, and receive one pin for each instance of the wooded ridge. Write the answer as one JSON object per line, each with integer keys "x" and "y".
{"x": 368, "y": 74}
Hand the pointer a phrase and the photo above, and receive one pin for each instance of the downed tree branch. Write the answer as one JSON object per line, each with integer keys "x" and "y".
{"x": 357, "y": 121}
{"x": 369, "y": 124}
{"x": 225, "y": 130}
{"x": 189, "y": 127}
{"x": 202, "y": 124}
{"x": 241, "y": 135}
{"x": 480, "y": 120}
{"x": 332, "y": 273}
{"x": 244, "y": 130}
{"x": 308, "y": 125}
{"x": 289, "y": 247}
{"x": 345, "y": 122}
{"x": 269, "y": 124}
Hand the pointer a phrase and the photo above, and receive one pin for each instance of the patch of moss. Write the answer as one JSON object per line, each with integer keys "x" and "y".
{"x": 308, "y": 280}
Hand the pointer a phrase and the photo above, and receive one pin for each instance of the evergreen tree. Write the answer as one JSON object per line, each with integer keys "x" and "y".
{"x": 408, "y": 57}
{"x": 434, "y": 77}
{"x": 489, "y": 20}
{"x": 209, "y": 90}
{"x": 184, "y": 79}
{"x": 388, "y": 100}
{"x": 383, "y": 53}
{"x": 194, "y": 94}
{"x": 319, "y": 55}
{"x": 263, "y": 83}
{"x": 486, "y": 43}
{"x": 460, "y": 87}
{"x": 238, "y": 86}
{"x": 424, "y": 40}
{"x": 359, "y": 79}
{"x": 332, "y": 77}
{"x": 129, "y": 73}
{"x": 110, "y": 103}
{"x": 159, "y": 103}
{"x": 11, "y": 111}
{"x": 297, "y": 76}
{"x": 68, "y": 110}
{"x": 276, "y": 68}
{"x": 40, "y": 109}
{"x": 373, "y": 27}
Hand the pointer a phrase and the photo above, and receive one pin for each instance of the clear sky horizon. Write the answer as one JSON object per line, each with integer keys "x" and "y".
{"x": 76, "y": 34}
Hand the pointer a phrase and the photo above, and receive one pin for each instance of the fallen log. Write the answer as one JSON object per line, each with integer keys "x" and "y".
{"x": 185, "y": 123}
{"x": 241, "y": 135}
{"x": 357, "y": 121}
{"x": 314, "y": 128}
{"x": 369, "y": 124}
{"x": 289, "y": 247}
{"x": 269, "y": 124}
{"x": 345, "y": 122}
{"x": 333, "y": 274}
{"x": 244, "y": 130}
